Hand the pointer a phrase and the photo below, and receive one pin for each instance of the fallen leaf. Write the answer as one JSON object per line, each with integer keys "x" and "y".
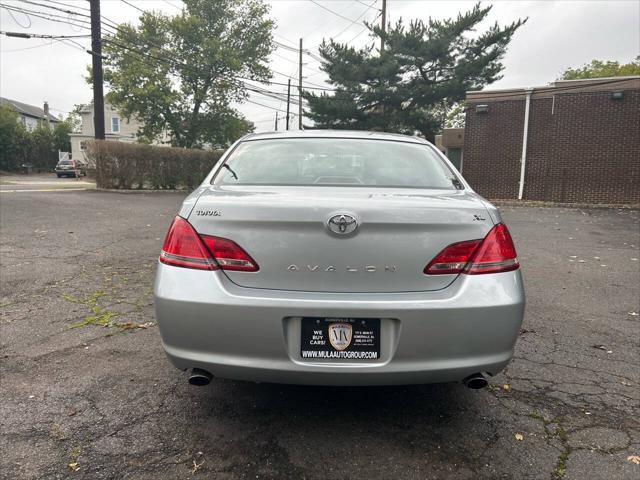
{"x": 519, "y": 437}
{"x": 634, "y": 459}
{"x": 633, "y": 314}
{"x": 196, "y": 467}
{"x": 601, "y": 347}
{"x": 506, "y": 387}
{"x": 72, "y": 413}
{"x": 74, "y": 467}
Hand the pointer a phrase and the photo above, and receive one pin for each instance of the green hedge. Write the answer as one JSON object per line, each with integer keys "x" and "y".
{"x": 121, "y": 165}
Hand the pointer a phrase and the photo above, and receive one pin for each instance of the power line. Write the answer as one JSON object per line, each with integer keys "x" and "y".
{"x": 67, "y": 5}
{"x": 308, "y": 86}
{"x": 48, "y": 44}
{"x": 175, "y": 63}
{"x": 44, "y": 15}
{"x": 369, "y": 6}
{"x": 16, "y": 20}
{"x": 54, "y": 8}
{"x": 133, "y": 6}
{"x": 356, "y": 20}
{"x": 334, "y": 12}
{"x": 363, "y": 30}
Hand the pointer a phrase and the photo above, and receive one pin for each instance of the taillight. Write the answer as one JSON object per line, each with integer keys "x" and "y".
{"x": 183, "y": 247}
{"x": 496, "y": 253}
{"x": 452, "y": 259}
{"x": 229, "y": 255}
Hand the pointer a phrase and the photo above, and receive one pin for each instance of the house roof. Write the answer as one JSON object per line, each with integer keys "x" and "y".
{"x": 27, "y": 110}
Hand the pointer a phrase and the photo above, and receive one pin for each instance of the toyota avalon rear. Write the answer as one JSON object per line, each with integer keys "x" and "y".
{"x": 338, "y": 258}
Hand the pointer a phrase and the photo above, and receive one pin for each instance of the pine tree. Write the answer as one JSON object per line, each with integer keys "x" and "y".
{"x": 409, "y": 87}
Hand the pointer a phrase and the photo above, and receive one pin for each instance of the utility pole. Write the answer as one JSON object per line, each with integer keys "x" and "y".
{"x": 300, "y": 89}
{"x": 288, "y": 101}
{"x": 384, "y": 24}
{"x": 276, "y": 121}
{"x": 96, "y": 64}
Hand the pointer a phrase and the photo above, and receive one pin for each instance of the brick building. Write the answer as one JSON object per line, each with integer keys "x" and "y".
{"x": 582, "y": 142}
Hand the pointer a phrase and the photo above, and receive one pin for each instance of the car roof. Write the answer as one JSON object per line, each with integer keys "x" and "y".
{"x": 334, "y": 134}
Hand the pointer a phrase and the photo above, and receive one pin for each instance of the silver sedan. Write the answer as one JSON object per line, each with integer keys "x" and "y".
{"x": 338, "y": 258}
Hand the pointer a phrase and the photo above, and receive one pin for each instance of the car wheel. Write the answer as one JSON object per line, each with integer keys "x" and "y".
{"x": 58, "y": 175}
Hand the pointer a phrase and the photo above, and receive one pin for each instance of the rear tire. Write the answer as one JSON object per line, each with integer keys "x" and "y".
{"x": 58, "y": 175}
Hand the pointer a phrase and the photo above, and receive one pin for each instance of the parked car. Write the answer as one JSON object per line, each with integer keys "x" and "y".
{"x": 71, "y": 168}
{"x": 338, "y": 258}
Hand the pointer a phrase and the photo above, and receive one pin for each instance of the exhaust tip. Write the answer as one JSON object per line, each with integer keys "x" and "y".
{"x": 199, "y": 377}
{"x": 475, "y": 381}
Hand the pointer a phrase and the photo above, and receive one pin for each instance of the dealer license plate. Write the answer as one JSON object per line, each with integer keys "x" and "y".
{"x": 340, "y": 338}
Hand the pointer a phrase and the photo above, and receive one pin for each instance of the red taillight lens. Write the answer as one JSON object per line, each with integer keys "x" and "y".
{"x": 183, "y": 247}
{"x": 452, "y": 259}
{"x": 229, "y": 255}
{"x": 496, "y": 253}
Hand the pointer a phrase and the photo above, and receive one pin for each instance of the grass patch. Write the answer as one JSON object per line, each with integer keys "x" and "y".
{"x": 553, "y": 429}
{"x": 99, "y": 316}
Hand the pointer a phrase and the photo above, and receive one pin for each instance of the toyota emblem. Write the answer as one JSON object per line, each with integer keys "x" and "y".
{"x": 342, "y": 224}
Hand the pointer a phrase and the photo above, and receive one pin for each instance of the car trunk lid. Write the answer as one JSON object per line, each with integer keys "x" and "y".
{"x": 285, "y": 229}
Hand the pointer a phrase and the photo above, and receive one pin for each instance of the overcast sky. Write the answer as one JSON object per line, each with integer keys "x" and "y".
{"x": 559, "y": 34}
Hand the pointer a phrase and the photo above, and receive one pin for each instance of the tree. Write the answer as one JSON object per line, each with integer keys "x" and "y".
{"x": 39, "y": 147}
{"x": 10, "y": 135}
{"x": 61, "y": 140}
{"x": 456, "y": 115}
{"x": 599, "y": 68}
{"x": 42, "y": 153}
{"x": 408, "y": 87}
{"x": 181, "y": 74}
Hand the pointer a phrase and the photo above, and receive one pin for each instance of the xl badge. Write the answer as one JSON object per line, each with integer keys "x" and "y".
{"x": 340, "y": 335}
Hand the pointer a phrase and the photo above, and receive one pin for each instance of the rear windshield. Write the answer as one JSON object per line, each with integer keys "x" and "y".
{"x": 64, "y": 162}
{"x": 335, "y": 161}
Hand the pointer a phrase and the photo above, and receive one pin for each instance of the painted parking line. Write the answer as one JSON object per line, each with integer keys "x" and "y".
{"x": 37, "y": 182}
{"x": 46, "y": 190}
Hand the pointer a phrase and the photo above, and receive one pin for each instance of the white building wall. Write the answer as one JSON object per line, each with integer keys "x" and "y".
{"x": 128, "y": 128}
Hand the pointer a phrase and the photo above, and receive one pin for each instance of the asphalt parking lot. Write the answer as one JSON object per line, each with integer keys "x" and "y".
{"x": 88, "y": 393}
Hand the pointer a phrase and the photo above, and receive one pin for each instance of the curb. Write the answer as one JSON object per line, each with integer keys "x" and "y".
{"x": 141, "y": 191}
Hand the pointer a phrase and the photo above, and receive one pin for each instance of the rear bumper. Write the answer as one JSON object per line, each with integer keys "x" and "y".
{"x": 252, "y": 334}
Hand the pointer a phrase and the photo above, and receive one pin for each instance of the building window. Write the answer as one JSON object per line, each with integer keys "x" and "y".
{"x": 115, "y": 124}
{"x": 83, "y": 145}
